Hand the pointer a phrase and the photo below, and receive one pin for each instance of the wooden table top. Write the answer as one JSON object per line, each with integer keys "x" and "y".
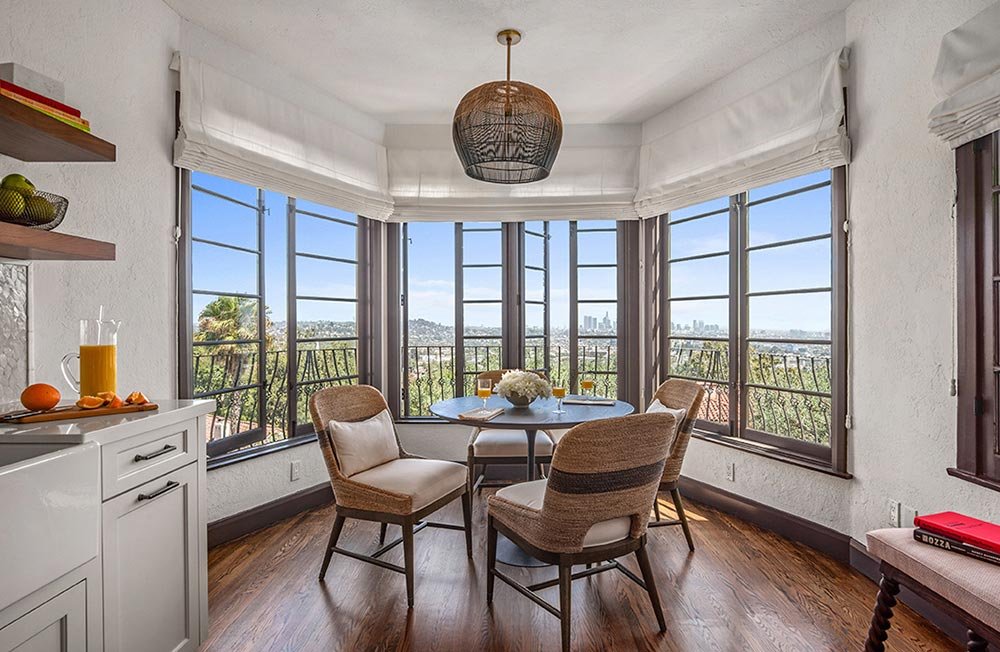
{"x": 537, "y": 416}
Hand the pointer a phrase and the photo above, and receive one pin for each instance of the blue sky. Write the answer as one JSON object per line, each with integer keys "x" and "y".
{"x": 431, "y": 277}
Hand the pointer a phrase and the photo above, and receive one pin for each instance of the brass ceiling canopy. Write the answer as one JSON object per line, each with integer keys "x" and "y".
{"x": 507, "y": 131}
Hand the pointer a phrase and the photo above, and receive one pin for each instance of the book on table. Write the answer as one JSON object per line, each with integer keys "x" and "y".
{"x": 587, "y": 400}
{"x": 481, "y": 414}
{"x": 966, "y": 529}
{"x": 956, "y": 546}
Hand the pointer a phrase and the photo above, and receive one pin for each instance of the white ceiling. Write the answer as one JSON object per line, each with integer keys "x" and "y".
{"x": 602, "y": 61}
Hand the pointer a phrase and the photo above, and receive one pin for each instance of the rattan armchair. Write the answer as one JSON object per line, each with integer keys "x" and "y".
{"x": 592, "y": 509}
{"x": 497, "y": 446}
{"x": 677, "y": 393}
{"x": 402, "y": 491}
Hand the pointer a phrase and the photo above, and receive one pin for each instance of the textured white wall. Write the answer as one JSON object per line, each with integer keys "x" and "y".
{"x": 902, "y": 274}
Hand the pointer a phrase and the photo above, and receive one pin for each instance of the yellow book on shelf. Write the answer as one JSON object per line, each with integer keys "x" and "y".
{"x": 65, "y": 118}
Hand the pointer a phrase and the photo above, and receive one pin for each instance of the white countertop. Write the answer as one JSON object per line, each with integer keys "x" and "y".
{"x": 107, "y": 428}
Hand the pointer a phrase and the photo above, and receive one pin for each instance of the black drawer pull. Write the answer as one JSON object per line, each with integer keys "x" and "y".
{"x": 148, "y": 456}
{"x": 159, "y": 492}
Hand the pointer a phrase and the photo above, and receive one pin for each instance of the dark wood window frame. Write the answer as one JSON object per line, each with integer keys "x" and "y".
{"x": 368, "y": 261}
{"x": 735, "y": 434}
{"x": 978, "y": 256}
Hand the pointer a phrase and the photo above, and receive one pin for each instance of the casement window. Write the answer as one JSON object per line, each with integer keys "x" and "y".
{"x": 752, "y": 306}
{"x": 542, "y": 295}
{"x": 978, "y": 240}
{"x": 270, "y": 309}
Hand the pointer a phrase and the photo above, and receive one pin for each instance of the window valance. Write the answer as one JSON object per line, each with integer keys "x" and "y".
{"x": 793, "y": 126}
{"x": 232, "y": 129}
{"x": 967, "y": 77}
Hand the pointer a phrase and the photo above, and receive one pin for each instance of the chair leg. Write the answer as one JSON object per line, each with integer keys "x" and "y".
{"x": 682, "y": 517}
{"x": 485, "y": 466}
{"x": 338, "y": 525}
{"x": 491, "y": 558}
{"x": 381, "y": 533}
{"x": 565, "y": 602}
{"x": 647, "y": 576}
{"x": 408, "y": 561}
{"x": 467, "y": 517}
{"x": 656, "y": 507}
{"x": 879, "y": 630}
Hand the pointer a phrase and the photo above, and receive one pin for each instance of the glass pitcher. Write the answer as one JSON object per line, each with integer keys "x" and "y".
{"x": 98, "y": 358}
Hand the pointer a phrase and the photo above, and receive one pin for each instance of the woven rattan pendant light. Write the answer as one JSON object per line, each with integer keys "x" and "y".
{"x": 507, "y": 131}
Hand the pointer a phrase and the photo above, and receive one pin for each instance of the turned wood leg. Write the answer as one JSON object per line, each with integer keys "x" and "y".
{"x": 338, "y": 525}
{"x": 647, "y": 576}
{"x": 491, "y": 558}
{"x": 565, "y": 600}
{"x": 408, "y": 561}
{"x": 879, "y": 630}
{"x": 675, "y": 493}
{"x": 467, "y": 517}
{"x": 976, "y": 643}
{"x": 656, "y": 507}
{"x": 381, "y": 533}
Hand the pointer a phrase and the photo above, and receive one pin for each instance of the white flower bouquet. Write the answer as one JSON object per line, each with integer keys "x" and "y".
{"x": 522, "y": 387}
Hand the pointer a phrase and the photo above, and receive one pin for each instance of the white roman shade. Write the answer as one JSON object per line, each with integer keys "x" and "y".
{"x": 793, "y": 126}
{"x": 967, "y": 77}
{"x": 232, "y": 129}
{"x": 594, "y": 177}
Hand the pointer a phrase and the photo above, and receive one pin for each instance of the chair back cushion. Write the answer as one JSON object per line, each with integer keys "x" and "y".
{"x": 604, "y": 470}
{"x": 679, "y": 413}
{"x": 362, "y": 445}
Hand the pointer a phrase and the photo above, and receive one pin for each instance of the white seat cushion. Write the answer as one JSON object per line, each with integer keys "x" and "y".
{"x": 361, "y": 445}
{"x": 423, "y": 480}
{"x": 679, "y": 413}
{"x": 532, "y": 494}
{"x": 494, "y": 442}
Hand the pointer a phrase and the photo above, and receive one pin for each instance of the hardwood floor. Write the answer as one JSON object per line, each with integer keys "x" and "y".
{"x": 743, "y": 589}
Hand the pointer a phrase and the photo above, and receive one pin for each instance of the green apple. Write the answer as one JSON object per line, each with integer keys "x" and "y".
{"x": 19, "y": 183}
{"x": 39, "y": 210}
{"x": 12, "y": 204}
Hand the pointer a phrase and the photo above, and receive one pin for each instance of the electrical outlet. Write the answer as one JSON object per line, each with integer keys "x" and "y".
{"x": 907, "y": 514}
{"x": 894, "y": 509}
{"x": 296, "y": 470}
{"x": 731, "y": 471}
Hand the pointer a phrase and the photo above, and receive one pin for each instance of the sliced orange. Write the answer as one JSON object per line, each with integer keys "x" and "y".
{"x": 90, "y": 402}
{"x": 116, "y": 402}
{"x": 107, "y": 397}
{"x": 136, "y": 398}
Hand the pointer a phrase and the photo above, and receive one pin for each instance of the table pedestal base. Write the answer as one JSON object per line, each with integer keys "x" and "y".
{"x": 508, "y": 553}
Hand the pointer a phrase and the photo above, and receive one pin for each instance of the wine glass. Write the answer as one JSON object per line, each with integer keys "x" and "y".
{"x": 587, "y": 385}
{"x": 484, "y": 388}
{"x": 560, "y": 394}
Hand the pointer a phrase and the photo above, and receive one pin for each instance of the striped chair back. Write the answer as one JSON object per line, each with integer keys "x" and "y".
{"x": 604, "y": 470}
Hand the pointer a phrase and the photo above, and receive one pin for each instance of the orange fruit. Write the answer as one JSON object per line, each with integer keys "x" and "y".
{"x": 90, "y": 402}
{"x": 40, "y": 397}
{"x": 136, "y": 398}
{"x": 107, "y": 397}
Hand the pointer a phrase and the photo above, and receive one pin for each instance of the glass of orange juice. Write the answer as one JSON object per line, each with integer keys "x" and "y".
{"x": 484, "y": 388}
{"x": 98, "y": 358}
{"x": 560, "y": 394}
{"x": 587, "y": 384}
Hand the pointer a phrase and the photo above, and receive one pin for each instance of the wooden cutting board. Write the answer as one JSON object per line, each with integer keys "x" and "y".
{"x": 71, "y": 412}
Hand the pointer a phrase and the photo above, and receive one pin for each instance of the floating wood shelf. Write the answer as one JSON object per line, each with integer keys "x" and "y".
{"x": 31, "y": 135}
{"x": 22, "y": 243}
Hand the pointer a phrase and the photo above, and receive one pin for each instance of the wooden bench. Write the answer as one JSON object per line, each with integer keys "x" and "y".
{"x": 964, "y": 588}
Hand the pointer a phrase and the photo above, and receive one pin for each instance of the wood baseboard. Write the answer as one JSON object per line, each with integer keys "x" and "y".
{"x": 816, "y": 536}
{"x": 259, "y": 517}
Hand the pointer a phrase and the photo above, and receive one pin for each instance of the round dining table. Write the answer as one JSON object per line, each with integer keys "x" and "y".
{"x": 539, "y": 415}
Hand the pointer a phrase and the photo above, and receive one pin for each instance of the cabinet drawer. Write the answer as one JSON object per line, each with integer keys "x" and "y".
{"x": 58, "y": 625}
{"x": 133, "y": 461}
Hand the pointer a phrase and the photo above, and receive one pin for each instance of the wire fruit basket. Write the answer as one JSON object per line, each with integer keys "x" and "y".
{"x": 43, "y": 210}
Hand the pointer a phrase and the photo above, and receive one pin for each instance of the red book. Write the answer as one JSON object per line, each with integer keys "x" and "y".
{"x": 32, "y": 95}
{"x": 966, "y": 529}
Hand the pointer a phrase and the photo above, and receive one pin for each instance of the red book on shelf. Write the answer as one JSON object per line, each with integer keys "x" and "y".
{"x": 966, "y": 529}
{"x": 32, "y": 95}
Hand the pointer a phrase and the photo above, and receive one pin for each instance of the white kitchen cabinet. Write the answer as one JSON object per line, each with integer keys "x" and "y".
{"x": 57, "y": 625}
{"x": 150, "y": 547}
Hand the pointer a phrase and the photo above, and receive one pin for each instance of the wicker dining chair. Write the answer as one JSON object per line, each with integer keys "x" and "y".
{"x": 677, "y": 393}
{"x": 592, "y": 509}
{"x": 403, "y": 489}
{"x": 499, "y": 446}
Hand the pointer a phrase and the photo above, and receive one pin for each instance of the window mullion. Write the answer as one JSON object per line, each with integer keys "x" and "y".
{"x": 291, "y": 330}
{"x": 261, "y": 317}
{"x": 738, "y": 315}
{"x": 574, "y": 309}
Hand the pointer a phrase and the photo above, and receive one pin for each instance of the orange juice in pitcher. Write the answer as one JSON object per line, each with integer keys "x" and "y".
{"x": 98, "y": 358}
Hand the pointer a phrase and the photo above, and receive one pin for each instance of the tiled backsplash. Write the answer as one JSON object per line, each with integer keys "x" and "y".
{"x": 13, "y": 330}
